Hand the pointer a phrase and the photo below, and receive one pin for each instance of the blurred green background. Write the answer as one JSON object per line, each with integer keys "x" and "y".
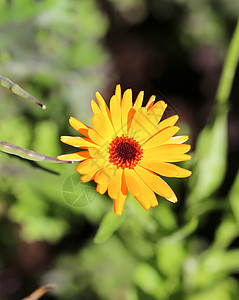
{"x": 53, "y": 228}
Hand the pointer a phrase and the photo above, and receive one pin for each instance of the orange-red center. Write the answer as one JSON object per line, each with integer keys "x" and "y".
{"x": 125, "y": 152}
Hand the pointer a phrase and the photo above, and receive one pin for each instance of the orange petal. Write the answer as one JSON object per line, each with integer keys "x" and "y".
{"x": 171, "y": 121}
{"x": 78, "y": 142}
{"x": 165, "y": 169}
{"x": 154, "y": 155}
{"x": 139, "y": 100}
{"x": 137, "y": 188}
{"x": 102, "y": 187}
{"x": 155, "y": 183}
{"x": 119, "y": 202}
{"x": 160, "y": 138}
{"x": 78, "y": 156}
{"x": 115, "y": 184}
{"x": 79, "y": 126}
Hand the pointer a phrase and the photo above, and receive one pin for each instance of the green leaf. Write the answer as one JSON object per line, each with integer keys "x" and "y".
{"x": 210, "y": 160}
{"x": 110, "y": 223}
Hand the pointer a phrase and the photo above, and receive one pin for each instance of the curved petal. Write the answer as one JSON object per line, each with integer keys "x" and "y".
{"x": 78, "y": 142}
{"x": 166, "y": 169}
{"x": 157, "y": 184}
{"x": 79, "y": 126}
{"x": 160, "y": 137}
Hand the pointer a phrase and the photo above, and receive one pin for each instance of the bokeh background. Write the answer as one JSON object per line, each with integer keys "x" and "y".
{"x": 54, "y": 229}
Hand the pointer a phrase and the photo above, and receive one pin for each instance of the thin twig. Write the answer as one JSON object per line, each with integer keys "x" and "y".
{"x": 16, "y": 89}
{"x": 38, "y": 293}
{"x": 28, "y": 154}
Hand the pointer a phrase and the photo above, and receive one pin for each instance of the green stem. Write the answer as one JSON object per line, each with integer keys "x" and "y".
{"x": 228, "y": 72}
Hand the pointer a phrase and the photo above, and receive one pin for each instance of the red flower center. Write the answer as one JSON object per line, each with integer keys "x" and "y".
{"x": 125, "y": 152}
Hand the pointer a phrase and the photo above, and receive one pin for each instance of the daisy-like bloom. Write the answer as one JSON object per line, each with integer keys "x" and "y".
{"x": 127, "y": 148}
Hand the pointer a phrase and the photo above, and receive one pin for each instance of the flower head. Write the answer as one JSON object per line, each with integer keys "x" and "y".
{"x": 127, "y": 148}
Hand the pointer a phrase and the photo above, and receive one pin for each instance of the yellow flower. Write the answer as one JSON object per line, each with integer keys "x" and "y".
{"x": 127, "y": 147}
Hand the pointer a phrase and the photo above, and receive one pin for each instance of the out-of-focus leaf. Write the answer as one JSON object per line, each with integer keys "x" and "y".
{"x": 227, "y": 231}
{"x": 16, "y": 89}
{"x": 210, "y": 158}
{"x": 233, "y": 198}
{"x": 27, "y": 154}
{"x": 183, "y": 232}
{"x": 149, "y": 280}
{"x": 110, "y": 223}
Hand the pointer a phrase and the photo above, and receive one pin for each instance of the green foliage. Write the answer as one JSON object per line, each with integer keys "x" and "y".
{"x": 54, "y": 50}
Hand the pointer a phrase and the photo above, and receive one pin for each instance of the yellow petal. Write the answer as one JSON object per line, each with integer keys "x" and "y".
{"x": 165, "y": 169}
{"x": 178, "y": 139}
{"x": 98, "y": 153}
{"x": 150, "y": 102}
{"x": 115, "y": 184}
{"x": 141, "y": 126}
{"x": 157, "y": 184}
{"x": 91, "y": 165}
{"x": 79, "y": 126}
{"x": 119, "y": 202}
{"x": 139, "y": 100}
{"x": 156, "y": 112}
{"x": 102, "y": 127}
{"x": 78, "y": 156}
{"x": 126, "y": 106}
{"x": 171, "y": 121}
{"x": 104, "y": 108}
{"x": 105, "y": 174}
{"x": 118, "y": 92}
{"x": 95, "y": 108}
{"x": 160, "y": 138}
{"x": 137, "y": 188}
{"x": 95, "y": 137}
{"x": 154, "y": 155}
{"x": 78, "y": 142}
{"x": 115, "y": 109}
